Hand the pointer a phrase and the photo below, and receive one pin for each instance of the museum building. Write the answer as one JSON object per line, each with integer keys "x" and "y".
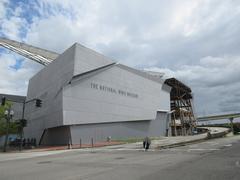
{"x": 86, "y": 95}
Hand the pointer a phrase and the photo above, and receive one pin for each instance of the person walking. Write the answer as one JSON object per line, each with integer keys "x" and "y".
{"x": 146, "y": 143}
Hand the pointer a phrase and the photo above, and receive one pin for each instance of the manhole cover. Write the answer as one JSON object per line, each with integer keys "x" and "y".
{"x": 44, "y": 162}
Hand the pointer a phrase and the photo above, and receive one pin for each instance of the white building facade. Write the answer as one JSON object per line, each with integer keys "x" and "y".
{"x": 86, "y": 95}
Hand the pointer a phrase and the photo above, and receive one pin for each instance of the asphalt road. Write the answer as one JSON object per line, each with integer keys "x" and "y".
{"x": 215, "y": 159}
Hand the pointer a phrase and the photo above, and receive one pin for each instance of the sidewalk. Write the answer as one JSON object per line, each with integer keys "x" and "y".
{"x": 76, "y": 146}
{"x": 164, "y": 142}
{"x": 167, "y": 142}
{"x": 182, "y": 140}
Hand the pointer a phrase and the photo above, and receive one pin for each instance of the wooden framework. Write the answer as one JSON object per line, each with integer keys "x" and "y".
{"x": 183, "y": 120}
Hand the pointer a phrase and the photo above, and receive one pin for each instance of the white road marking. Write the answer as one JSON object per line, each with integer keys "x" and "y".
{"x": 228, "y": 145}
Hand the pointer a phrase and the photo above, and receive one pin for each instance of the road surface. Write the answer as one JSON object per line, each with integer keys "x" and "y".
{"x": 214, "y": 159}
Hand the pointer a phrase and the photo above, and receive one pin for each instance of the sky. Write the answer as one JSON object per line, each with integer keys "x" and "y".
{"x": 196, "y": 41}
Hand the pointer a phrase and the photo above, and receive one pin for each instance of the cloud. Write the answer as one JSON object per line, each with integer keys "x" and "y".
{"x": 195, "y": 41}
{"x": 15, "y": 81}
{"x": 2, "y": 9}
{"x": 11, "y": 22}
{"x": 214, "y": 81}
{"x": 140, "y": 33}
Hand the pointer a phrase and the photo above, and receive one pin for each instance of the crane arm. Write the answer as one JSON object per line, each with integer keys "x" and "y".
{"x": 39, "y": 55}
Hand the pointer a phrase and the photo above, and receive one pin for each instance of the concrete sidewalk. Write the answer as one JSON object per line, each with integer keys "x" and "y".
{"x": 167, "y": 142}
{"x": 215, "y": 132}
{"x": 66, "y": 147}
{"x": 164, "y": 142}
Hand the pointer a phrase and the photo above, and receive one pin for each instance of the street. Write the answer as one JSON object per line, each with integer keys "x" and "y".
{"x": 214, "y": 159}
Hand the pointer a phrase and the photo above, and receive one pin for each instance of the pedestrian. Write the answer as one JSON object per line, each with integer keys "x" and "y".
{"x": 146, "y": 143}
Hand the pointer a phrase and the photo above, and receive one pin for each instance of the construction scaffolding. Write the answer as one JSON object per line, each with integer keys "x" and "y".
{"x": 183, "y": 121}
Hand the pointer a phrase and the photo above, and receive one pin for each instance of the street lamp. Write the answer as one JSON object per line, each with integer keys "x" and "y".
{"x": 8, "y": 115}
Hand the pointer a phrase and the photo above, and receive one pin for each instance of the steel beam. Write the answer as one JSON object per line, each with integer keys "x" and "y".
{"x": 36, "y": 54}
{"x": 219, "y": 117}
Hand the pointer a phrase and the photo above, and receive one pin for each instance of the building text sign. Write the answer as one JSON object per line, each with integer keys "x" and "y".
{"x": 113, "y": 90}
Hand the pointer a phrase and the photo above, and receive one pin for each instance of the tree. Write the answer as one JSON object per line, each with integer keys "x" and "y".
{"x": 13, "y": 126}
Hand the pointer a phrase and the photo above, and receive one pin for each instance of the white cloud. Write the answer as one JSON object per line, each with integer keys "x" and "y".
{"x": 3, "y": 4}
{"x": 12, "y": 27}
{"x": 11, "y": 24}
{"x": 215, "y": 82}
{"x": 14, "y": 81}
{"x": 195, "y": 41}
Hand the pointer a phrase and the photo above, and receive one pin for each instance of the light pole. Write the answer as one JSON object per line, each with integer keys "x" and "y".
{"x": 8, "y": 114}
{"x": 21, "y": 122}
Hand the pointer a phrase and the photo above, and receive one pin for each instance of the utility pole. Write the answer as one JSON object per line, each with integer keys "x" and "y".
{"x": 21, "y": 133}
{"x": 38, "y": 103}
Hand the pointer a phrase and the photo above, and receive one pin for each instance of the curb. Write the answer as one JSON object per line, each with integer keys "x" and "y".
{"x": 180, "y": 144}
{"x": 212, "y": 136}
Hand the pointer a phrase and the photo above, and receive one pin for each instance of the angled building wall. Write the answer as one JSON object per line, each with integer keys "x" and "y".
{"x": 83, "y": 92}
{"x": 120, "y": 130}
{"x": 47, "y": 85}
{"x": 114, "y": 95}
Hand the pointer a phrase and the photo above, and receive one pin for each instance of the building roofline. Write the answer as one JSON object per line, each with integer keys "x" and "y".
{"x": 16, "y": 98}
{"x": 94, "y": 51}
{"x": 175, "y": 82}
{"x": 124, "y": 67}
{"x": 140, "y": 73}
{"x": 92, "y": 72}
{"x": 146, "y": 75}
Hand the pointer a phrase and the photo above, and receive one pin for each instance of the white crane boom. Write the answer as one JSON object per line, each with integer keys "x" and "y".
{"x": 39, "y": 55}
